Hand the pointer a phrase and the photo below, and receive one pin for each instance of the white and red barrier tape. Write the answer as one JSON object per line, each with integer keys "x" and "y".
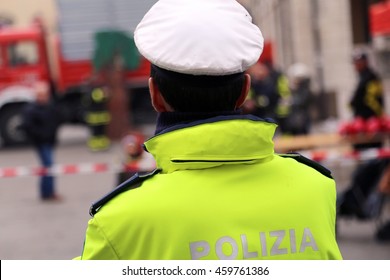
{"x": 88, "y": 168}
{"x": 70, "y": 169}
{"x": 329, "y": 156}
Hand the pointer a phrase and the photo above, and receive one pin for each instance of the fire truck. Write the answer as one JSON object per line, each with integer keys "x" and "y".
{"x": 380, "y": 31}
{"x": 68, "y": 67}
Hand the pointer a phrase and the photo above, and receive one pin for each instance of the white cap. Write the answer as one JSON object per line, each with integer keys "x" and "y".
{"x": 199, "y": 37}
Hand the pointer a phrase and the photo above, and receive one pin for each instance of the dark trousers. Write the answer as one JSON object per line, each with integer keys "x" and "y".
{"x": 46, "y": 184}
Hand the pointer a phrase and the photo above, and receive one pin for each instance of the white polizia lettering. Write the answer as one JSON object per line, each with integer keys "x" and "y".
{"x": 199, "y": 249}
{"x": 308, "y": 241}
{"x": 219, "y": 248}
{"x": 276, "y": 249}
{"x": 278, "y": 242}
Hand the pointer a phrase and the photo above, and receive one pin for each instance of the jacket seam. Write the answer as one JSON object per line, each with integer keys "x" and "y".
{"x": 100, "y": 228}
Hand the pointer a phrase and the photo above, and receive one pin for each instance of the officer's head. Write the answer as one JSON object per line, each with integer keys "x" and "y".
{"x": 199, "y": 50}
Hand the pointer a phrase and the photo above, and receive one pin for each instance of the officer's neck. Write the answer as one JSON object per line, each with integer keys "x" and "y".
{"x": 166, "y": 120}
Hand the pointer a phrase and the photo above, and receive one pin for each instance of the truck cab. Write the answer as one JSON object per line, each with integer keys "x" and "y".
{"x": 23, "y": 61}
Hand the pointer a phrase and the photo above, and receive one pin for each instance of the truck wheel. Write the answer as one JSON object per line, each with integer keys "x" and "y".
{"x": 10, "y": 131}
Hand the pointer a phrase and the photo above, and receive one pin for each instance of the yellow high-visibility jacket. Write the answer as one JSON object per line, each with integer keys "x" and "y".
{"x": 220, "y": 193}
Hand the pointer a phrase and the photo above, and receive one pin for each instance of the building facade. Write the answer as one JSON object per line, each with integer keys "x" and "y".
{"x": 322, "y": 35}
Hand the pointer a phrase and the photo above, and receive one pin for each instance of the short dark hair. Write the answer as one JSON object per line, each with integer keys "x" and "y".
{"x": 198, "y": 93}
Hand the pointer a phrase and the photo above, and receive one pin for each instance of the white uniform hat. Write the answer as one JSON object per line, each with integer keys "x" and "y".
{"x": 199, "y": 37}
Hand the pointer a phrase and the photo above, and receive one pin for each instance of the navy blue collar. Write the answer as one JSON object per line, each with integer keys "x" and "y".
{"x": 169, "y": 121}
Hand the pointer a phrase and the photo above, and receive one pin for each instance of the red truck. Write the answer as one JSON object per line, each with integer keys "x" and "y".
{"x": 380, "y": 32}
{"x": 24, "y": 59}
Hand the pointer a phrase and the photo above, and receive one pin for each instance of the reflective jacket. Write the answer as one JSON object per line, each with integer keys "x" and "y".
{"x": 221, "y": 193}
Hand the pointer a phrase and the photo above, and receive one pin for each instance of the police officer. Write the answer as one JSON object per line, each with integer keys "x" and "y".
{"x": 98, "y": 118}
{"x": 220, "y": 191}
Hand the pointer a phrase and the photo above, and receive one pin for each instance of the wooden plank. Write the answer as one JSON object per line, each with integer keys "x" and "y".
{"x": 323, "y": 140}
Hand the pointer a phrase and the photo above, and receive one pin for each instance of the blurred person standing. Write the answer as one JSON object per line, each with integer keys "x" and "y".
{"x": 40, "y": 123}
{"x": 366, "y": 102}
{"x": 383, "y": 232}
{"x": 263, "y": 96}
{"x": 281, "y": 85}
{"x": 270, "y": 95}
{"x": 298, "y": 120}
{"x": 135, "y": 158}
{"x": 219, "y": 190}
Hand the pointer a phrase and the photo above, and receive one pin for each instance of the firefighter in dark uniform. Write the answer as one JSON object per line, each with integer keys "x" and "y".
{"x": 367, "y": 99}
{"x": 366, "y": 102}
{"x": 98, "y": 118}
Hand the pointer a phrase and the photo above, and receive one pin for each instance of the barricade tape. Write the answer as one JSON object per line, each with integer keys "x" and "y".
{"x": 88, "y": 168}
{"x": 332, "y": 156}
{"x": 71, "y": 169}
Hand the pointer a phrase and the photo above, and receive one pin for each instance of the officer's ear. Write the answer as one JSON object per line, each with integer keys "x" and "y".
{"x": 158, "y": 102}
{"x": 244, "y": 92}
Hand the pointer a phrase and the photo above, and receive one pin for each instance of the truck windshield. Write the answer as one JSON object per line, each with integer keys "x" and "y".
{"x": 23, "y": 53}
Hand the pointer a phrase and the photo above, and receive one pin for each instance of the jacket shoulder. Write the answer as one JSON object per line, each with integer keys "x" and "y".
{"x": 313, "y": 164}
{"x": 132, "y": 183}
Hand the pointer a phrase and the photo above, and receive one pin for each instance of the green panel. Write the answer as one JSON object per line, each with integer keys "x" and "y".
{"x": 111, "y": 42}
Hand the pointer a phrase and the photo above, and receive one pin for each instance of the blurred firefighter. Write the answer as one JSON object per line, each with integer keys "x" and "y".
{"x": 299, "y": 120}
{"x": 270, "y": 95}
{"x": 363, "y": 198}
{"x": 367, "y": 100}
{"x": 283, "y": 107}
{"x": 98, "y": 118}
{"x": 263, "y": 97}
